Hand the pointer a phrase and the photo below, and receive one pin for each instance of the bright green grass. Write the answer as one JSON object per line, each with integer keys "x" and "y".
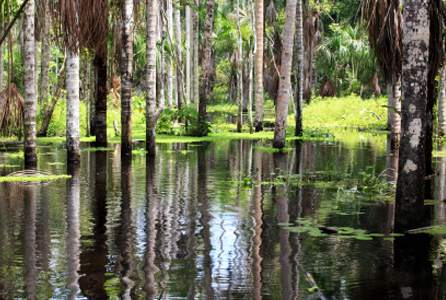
{"x": 32, "y": 178}
{"x": 319, "y": 117}
{"x": 349, "y": 111}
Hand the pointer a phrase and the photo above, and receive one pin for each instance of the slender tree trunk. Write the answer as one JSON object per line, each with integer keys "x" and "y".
{"x": 239, "y": 74}
{"x": 30, "y": 89}
{"x": 206, "y": 67}
{"x": 101, "y": 99}
{"x": 258, "y": 66}
{"x": 152, "y": 113}
{"x": 188, "y": 49}
{"x": 92, "y": 95}
{"x": 127, "y": 77}
{"x": 250, "y": 67}
{"x": 178, "y": 75}
{"x": 410, "y": 188}
{"x": 72, "y": 86}
{"x": 442, "y": 102}
{"x": 300, "y": 69}
{"x": 45, "y": 58}
{"x": 2, "y": 27}
{"x": 313, "y": 69}
{"x": 169, "y": 61}
{"x": 195, "y": 43}
{"x": 50, "y": 108}
{"x": 394, "y": 100}
{"x": 285, "y": 76}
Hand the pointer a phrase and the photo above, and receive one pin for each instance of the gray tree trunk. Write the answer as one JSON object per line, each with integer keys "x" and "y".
{"x": 442, "y": 102}
{"x": 30, "y": 145}
{"x": 45, "y": 58}
{"x": 258, "y": 65}
{"x": 206, "y": 66}
{"x": 394, "y": 100}
{"x": 285, "y": 75}
{"x": 194, "y": 40}
{"x": 410, "y": 188}
{"x": 239, "y": 74}
{"x": 178, "y": 70}
{"x": 300, "y": 68}
{"x": 127, "y": 77}
{"x": 188, "y": 50}
{"x": 169, "y": 60}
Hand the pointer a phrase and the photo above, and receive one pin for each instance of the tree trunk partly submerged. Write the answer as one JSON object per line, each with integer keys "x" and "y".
{"x": 411, "y": 174}
{"x": 30, "y": 89}
{"x": 285, "y": 75}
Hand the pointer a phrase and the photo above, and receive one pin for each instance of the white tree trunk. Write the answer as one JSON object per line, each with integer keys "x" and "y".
{"x": 30, "y": 98}
{"x": 169, "y": 60}
{"x": 258, "y": 65}
{"x": 194, "y": 40}
{"x": 188, "y": 46}
{"x": 72, "y": 86}
{"x": 239, "y": 73}
{"x": 178, "y": 78}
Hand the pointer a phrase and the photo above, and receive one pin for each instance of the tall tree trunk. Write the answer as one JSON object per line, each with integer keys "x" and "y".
{"x": 169, "y": 61}
{"x": 300, "y": 69}
{"x": 127, "y": 77}
{"x": 239, "y": 74}
{"x": 179, "y": 67}
{"x": 101, "y": 98}
{"x": 188, "y": 50}
{"x": 72, "y": 86}
{"x": 442, "y": 102}
{"x": 30, "y": 89}
{"x": 206, "y": 67}
{"x": 411, "y": 173}
{"x": 50, "y": 107}
{"x": 92, "y": 94}
{"x": 195, "y": 43}
{"x": 258, "y": 65}
{"x": 2, "y": 27}
{"x": 285, "y": 75}
{"x": 45, "y": 58}
{"x": 152, "y": 113}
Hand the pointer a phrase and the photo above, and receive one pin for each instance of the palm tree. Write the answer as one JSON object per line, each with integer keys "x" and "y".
{"x": 411, "y": 173}
{"x": 178, "y": 69}
{"x": 239, "y": 73}
{"x": 384, "y": 23}
{"x": 300, "y": 69}
{"x": 152, "y": 112}
{"x": 258, "y": 65}
{"x": 206, "y": 67}
{"x": 30, "y": 89}
{"x": 194, "y": 40}
{"x": 285, "y": 75}
{"x": 169, "y": 65}
{"x": 127, "y": 77}
{"x": 188, "y": 50}
{"x": 45, "y": 58}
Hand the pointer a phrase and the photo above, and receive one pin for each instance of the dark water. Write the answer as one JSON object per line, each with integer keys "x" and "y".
{"x": 188, "y": 224}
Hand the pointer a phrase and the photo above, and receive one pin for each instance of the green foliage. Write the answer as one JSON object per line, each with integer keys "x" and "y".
{"x": 32, "y": 178}
{"x": 346, "y": 111}
{"x": 169, "y": 122}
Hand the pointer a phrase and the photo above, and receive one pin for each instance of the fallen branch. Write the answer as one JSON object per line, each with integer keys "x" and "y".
{"x": 314, "y": 285}
{"x": 422, "y": 228}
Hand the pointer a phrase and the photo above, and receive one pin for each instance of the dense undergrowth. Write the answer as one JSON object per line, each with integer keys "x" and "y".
{"x": 319, "y": 117}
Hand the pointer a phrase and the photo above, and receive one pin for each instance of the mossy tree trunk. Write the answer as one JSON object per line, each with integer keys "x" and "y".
{"x": 411, "y": 174}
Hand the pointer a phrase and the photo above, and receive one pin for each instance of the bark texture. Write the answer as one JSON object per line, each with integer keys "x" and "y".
{"x": 206, "y": 67}
{"x": 194, "y": 74}
{"x": 127, "y": 77}
{"x": 285, "y": 76}
{"x": 30, "y": 88}
{"x": 45, "y": 58}
{"x": 72, "y": 85}
{"x": 442, "y": 102}
{"x": 151, "y": 111}
{"x": 239, "y": 74}
{"x": 394, "y": 100}
{"x": 300, "y": 69}
{"x": 258, "y": 65}
{"x": 188, "y": 50}
{"x": 411, "y": 173}
{"x": 101, "y": 99}
{"x": 169, "y": 59}
{"x": 178, "y": 70}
